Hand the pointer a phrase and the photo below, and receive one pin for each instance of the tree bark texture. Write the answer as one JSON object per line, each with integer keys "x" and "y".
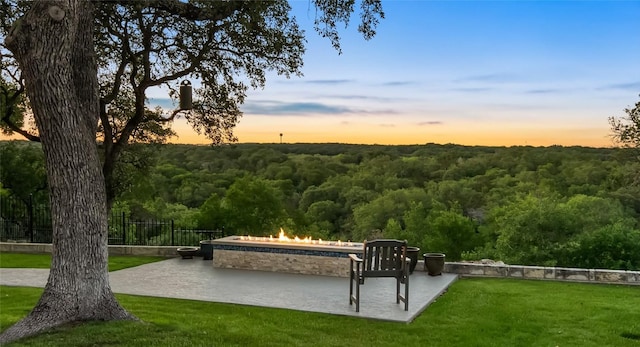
{"x": 53, "y": 44}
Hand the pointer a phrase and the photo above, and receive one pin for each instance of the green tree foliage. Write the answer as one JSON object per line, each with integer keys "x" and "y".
{"x": 132, "y": 169}
{"x": 626, "y": 130}
{"x": 415, "y": 225}
{"x": 435, "y": 228}
{"x": 535, "y": 229}
{"x": 253, "y": 207}
{"x": 448, "y": 231}
{"x": 457, "y": 193}
{"x": 371, "y": 218}
{"x": 312, "y": 171}
{"x": 22, "y": 171}
{"x": 211, "y": 214}
{"x": 183, "y": 216}
{"x": 614, "y": 246}
{"x": 325, "y": 215}
{"x": 327, "y": 191}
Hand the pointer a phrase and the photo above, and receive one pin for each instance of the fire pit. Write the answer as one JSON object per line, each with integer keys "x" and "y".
{"x": 284, "y": 254}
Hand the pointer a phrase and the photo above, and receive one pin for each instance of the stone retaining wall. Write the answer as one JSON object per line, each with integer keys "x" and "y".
{"x": 160, "y": 251}
{"x": 544, "y": 273}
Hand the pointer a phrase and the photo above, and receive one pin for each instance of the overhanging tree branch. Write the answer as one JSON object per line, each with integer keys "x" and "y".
{"x": 11, "y": 98}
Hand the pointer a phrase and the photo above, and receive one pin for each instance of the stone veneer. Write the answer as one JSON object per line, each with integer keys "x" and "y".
{"x": 330, "y": 260}
{"x": 279, "y": 262}
{"x": 544, "y": 273}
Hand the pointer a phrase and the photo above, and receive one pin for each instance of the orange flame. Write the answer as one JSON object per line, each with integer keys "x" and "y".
{"x": 282, "y": 237}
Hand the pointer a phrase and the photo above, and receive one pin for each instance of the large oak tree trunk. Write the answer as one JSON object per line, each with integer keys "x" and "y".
{"x": 54, "y": 45}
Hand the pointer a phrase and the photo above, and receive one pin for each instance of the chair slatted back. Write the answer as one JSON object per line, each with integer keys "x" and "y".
{"x": 384, "y": 258}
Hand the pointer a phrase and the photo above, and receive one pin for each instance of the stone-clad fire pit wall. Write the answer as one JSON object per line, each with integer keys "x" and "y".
{"x": 326, "y": 258}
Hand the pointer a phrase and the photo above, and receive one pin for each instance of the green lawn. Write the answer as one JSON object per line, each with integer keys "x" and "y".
{"x": 43, "y": 261}
{"x": 474, "y": 312}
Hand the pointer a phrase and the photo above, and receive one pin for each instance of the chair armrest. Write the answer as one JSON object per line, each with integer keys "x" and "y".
{"x": 354, "y": 257}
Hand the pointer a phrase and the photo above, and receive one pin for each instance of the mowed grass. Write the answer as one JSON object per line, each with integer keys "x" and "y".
{"x": 474, "y": 312}
{"x": 43, "y": 261}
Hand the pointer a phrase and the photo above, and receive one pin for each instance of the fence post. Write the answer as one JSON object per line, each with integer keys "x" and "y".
{"x": 30, "y": 206}
{"x": 172, "y": 236}
{"x": 124, "y": 229}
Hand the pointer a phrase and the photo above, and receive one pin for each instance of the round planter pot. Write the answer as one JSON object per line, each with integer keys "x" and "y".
{"x": 188, "y": 252}
{"x": 434, "y": 263}
{"x": 413, "y": 253}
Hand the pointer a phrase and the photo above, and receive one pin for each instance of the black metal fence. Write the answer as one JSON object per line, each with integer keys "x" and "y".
{"x": 24, "y": 221}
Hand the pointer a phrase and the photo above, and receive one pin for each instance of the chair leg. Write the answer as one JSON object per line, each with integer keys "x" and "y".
{"x": 351, "y": 288}
{"x": 406, "y": 293}
{"x": 355, "y": 298}
{"x": 358, "y": 297}
{"x": 354, "y": 276}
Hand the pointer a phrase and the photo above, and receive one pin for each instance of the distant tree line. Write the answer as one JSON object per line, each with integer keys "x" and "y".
{"x": 555, "y": 206}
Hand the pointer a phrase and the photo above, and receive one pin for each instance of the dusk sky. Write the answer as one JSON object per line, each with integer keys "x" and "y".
{"x": 500, "y": 73}
{"x": 466, "y": 72}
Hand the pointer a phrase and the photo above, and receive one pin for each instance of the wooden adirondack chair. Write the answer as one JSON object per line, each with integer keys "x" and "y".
{"x": 380, "y": 258}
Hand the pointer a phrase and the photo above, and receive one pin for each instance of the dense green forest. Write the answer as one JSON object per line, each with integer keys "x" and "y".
{"x": 562, "y": 206}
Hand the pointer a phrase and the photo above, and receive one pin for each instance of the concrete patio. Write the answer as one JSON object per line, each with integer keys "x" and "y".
{"x": 196, "y": 279}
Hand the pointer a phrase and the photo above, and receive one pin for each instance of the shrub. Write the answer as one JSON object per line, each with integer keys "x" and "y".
{"x": 615, "y": 246}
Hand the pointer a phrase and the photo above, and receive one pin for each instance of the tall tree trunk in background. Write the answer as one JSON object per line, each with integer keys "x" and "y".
{"x": 54, "y": 45}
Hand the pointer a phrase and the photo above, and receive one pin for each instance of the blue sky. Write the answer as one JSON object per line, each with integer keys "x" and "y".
{"x": 468, "y": 72}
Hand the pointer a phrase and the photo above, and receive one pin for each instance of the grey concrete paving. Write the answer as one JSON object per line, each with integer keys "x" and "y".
{"x": 196, "y": 279}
